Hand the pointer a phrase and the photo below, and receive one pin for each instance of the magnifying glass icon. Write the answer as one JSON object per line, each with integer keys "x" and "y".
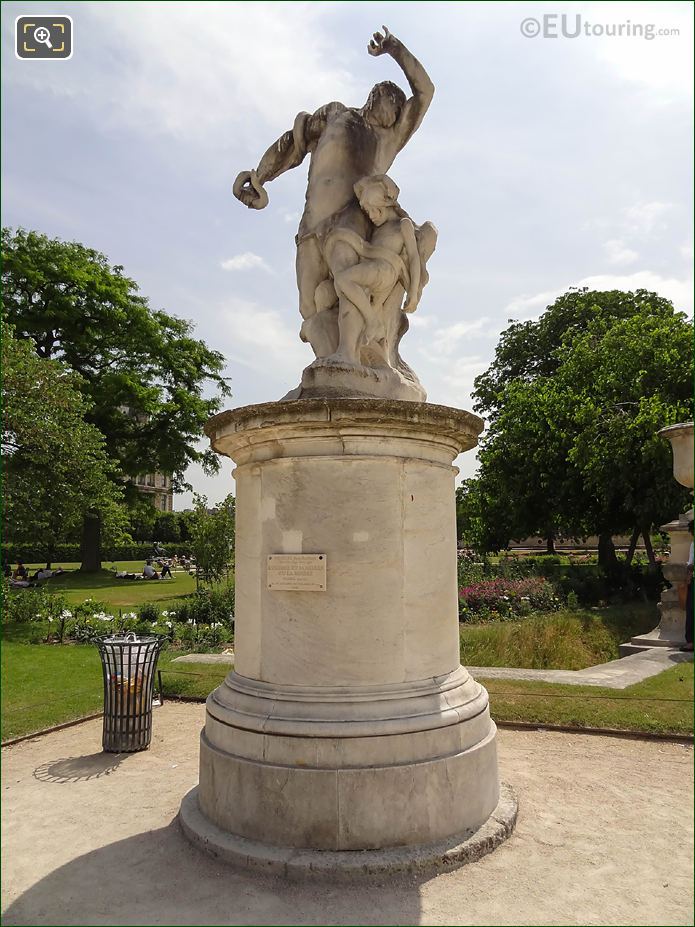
{"x": 43, "y": 36}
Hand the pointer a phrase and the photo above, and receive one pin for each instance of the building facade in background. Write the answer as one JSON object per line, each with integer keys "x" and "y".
{"x": 158, "y": 487}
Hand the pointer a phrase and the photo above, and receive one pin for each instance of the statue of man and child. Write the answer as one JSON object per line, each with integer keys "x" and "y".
{"x": 361, "y": 260}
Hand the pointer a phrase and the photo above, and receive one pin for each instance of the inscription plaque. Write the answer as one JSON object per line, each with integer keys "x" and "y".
{"x": 297, "y": 572}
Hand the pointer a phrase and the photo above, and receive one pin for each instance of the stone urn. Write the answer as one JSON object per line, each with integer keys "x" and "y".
{"x": 681, "y": 438}
{"x": 670, "y": 631}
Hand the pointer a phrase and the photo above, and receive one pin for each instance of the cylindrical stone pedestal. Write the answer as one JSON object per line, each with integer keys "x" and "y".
{"x": 348, "y": 722}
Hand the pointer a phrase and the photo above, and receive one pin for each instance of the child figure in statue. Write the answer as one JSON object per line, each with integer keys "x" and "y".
{"x": 390, "y": 267}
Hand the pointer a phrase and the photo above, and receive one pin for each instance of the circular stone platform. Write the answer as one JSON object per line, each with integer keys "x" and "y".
{"x": 288, "y": 861}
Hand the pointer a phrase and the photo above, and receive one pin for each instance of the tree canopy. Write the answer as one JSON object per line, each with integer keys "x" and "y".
{"x": 55, "y": 464}
{"x": 146, "y": 380}
{"x": 212, "y": 538}
{"x": 574, "y": 402}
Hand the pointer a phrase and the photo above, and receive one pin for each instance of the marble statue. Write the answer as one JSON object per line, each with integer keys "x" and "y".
{"x": 358, "y": 253}
{"x": 348, "y": 739}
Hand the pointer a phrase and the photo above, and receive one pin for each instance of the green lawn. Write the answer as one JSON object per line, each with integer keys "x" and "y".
{"x": 118, "y": 593}
{"x": 44, "y": 685}
{"x": 661, "y": 704}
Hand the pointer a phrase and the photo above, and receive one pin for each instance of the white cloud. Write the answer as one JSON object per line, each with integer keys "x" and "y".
{"x": 246, "y": 261}
{"x": 528, "y": 307}
{"x": 686, "y": 249}
{"x": 663, "y": 65}
{"x": 647, "y": 218}
{"x": 421, "y": 321}
{"x": 450, "y": 382}
{"x": 261, "y": 339}
{"x": 680, "y": 292}
{"x": 618, "y": 252}
{"x": 446, "y": 340}
{"x": 203, "y": 73}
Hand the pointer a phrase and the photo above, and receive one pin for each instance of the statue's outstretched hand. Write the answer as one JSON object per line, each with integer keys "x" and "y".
{"x": 249, "y": 190}
{"x": 382, "y": 44}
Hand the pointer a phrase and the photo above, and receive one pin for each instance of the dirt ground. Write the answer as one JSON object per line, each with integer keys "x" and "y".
{"x": 605, "y": 836}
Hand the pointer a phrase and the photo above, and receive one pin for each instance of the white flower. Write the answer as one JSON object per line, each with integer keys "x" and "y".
{"x": 66, "y": 613}
{"x": 168, "y": 624}
{"x": 171, "y": 613}
{"x": 165, "y": 614}
{"x": 50, "y": 619}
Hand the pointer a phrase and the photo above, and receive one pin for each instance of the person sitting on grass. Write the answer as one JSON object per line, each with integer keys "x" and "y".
{"x": 21, "y": 573}
{"x": 149, "y": 571}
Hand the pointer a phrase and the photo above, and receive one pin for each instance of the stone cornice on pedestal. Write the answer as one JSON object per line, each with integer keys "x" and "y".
{"x": 237, "y": 432}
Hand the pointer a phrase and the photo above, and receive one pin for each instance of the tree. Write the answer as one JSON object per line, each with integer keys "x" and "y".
{"x": 575, "y": 401}
{"x": 212, "y": 538}
{"x": 55, "y": 463}
{"x": 166, "y": 527}
{"x": 529, "y": 351}
{"x": 628, "y": 379}
{"x": 142, "y": 372}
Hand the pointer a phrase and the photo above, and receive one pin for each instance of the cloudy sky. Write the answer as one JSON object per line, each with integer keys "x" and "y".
{"x": 544, "y": 162}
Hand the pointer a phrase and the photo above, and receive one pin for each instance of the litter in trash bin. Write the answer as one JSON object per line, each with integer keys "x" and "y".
{"x": 128, "y": 664}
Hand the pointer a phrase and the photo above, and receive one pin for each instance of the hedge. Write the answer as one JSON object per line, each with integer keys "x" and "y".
{"x": 70, "y": 553}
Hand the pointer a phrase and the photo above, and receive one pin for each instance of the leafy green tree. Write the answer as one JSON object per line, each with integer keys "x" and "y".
{"x": 55, "y": 463}
{"x": 574, "y": 403}
{"x": 624, "y": 381}
{"x": 146, "y": 379}
{"x": 528, "y": 351}
{"x": 166, "y": 527}
{"x": 212, "y": 538}
{"x": 142, "y": 517}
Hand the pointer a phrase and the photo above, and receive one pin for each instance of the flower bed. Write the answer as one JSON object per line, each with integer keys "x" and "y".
{"x": 200, "y": 621}
{"x": 496, "y": 599}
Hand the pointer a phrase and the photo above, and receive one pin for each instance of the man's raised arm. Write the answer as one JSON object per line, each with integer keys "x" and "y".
{"x": 287, "y": 152}
{"x": 423, "y": 89}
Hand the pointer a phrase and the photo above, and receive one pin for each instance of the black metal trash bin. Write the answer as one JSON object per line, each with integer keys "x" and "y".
{"x": 128, "y": 663}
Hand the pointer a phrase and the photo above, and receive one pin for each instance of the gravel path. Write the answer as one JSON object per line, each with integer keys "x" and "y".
{"x": 604, "y": 837}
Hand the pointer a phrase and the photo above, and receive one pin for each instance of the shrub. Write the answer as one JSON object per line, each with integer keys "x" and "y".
{"x": 208, "y": 606}
{"x": 149, "y": 612}
{"x": 22, "y": 605}
{"x": 70, "y": 553}
{"x": 506, "y": 598}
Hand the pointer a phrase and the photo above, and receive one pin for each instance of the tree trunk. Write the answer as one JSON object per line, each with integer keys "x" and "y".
{"x": 606, "y": 552}
{"x": 550, "y": 544}
{"x": 90, "y": 549}
{"x": 649, "y": 548}
{"x": 633, "y": 544}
